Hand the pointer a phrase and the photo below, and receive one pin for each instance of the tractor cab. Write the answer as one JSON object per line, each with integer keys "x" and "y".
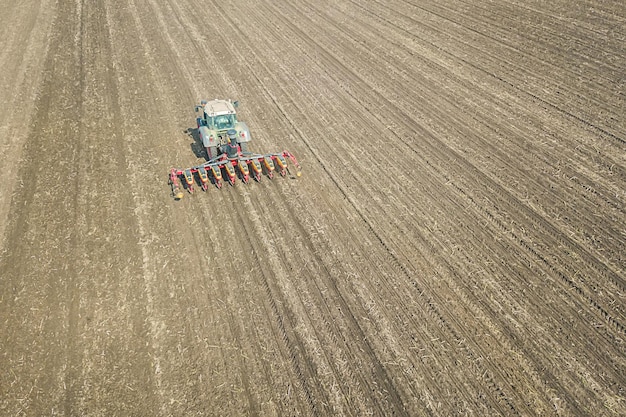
{"x": 221, "y": 122}
{"x": 218, "y": 115}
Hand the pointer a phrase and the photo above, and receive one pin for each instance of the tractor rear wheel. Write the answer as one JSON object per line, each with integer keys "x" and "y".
{"x": 243, "y": 146}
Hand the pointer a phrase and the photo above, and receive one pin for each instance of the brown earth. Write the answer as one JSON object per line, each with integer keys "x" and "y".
{"x": 456, "y": 245}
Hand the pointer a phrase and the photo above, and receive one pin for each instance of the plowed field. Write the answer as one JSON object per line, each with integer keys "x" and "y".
{"x": 456, "y": 244}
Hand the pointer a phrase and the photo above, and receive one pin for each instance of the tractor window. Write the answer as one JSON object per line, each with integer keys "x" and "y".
{"x": 225, "y": 121}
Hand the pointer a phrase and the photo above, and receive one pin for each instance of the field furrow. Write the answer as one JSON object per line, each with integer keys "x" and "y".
{"x": 455, "y": 245}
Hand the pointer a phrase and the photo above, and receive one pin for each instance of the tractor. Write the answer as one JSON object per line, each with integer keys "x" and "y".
{"x": 225, "y": 140}
{"x": 219, "y": 129}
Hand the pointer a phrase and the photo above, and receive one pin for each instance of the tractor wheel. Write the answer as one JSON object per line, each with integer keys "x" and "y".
{"x": 243, "y": 146}
{"x": 211, "y": 152}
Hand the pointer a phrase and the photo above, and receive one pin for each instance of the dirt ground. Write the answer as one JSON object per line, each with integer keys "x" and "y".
{"x": 455, "y": 246}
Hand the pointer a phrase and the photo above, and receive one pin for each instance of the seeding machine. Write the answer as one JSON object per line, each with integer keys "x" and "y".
{"x": 225, "y": 140}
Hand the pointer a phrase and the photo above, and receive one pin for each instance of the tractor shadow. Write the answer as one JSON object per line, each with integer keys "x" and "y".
{"x": 196, "y": 146}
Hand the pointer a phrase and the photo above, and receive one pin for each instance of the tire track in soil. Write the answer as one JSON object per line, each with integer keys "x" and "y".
{"x": 146, "y": 87}
{"x": 242, "y": 301}
{"x": 433, "y": 307}
{"x": 598, "y": 266}
{"x": 584, "y": 183}
{"x": 458, "y": 56}
{"x": 41, "y": 308}
{"x": 277, "y": 81}
{"x": 247, "y": 255}
{"x": 320, "y": 291}
{"x": 359, "y": 335}
{"x": 235, "y": 329}
{"x": 290, "y": 339}
{"x": 516, "y": 70}
{"x": 283, "y": 317}
{"x": 22, "y": 64}
{"x": 296, "y": 128}
{"x": 283, "y": 300}
{"x": 284, "y": 329}
{"x": 73, "y": 365}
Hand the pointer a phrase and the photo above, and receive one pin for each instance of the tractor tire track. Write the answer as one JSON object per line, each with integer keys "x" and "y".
{"x": 344, "y": 305}
{"x": 489, "y": 380}
{"x": 542, "y": 223}
{"x": 453, "y": 247}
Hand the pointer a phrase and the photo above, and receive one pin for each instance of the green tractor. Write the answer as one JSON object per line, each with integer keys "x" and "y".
{"x": 226, "y": 142}
{"x": 219, "y": 129}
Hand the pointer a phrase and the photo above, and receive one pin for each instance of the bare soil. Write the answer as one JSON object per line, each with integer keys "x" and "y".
{"x": 455, "y": 246}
